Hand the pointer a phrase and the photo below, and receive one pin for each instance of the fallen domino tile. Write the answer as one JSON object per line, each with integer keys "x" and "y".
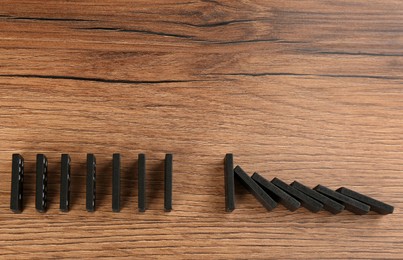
{"x": 306, "y": 201}
{"x": 328, "y": 204}
{"x": 350, "y": 204}
{"x": 278, "y": 194}
{"x": 375, "y": 205}
{"x": 255, "y": 189}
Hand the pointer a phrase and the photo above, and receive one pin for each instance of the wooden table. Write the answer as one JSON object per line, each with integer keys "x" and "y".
{"x": 302, "y": 90}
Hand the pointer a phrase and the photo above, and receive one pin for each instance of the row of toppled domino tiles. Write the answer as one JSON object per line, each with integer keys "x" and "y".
{"x": 17, "y": 180}
{"x": 295, "y": 195}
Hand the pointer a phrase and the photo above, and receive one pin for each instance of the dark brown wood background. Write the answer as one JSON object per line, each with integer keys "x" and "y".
{"x": 305, "y": 90}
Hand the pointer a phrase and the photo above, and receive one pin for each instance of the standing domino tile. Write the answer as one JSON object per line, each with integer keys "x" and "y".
{"x": 65, "y": 175}
{"x": 91, "y": 182}
{"x": 142, "y": 203}
{"x": 376, "y": 205}
{"x": 17, "y": 181}
{"x": 116, "y": 182}
{"x": 41, "y": 182}
{"x": 350, "y": 204}
{"x": 229, "y": 182}
{"x": 168, "y": 183}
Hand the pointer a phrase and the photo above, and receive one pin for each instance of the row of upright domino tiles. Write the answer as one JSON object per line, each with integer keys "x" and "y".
{"x": 295, "y": 195}
{"x": 17, "y": 180}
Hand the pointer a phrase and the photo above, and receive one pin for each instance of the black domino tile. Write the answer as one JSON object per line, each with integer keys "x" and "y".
{"x": 350, "y": 204}
{"x": 65, "y": 176}
{"x": 168, "y": 182}
{"x": 276, "y": 193}
{"x": 328, "y": 204}
{"x": 91, "y": 183}
{"x": 254, "y": 188}
{"x": 116, "y": 182}
{"x": 41, "y": 183}
{"x": 229, "y": 182}
{"x": 142, "y": 202}
{"x": 375, "y": 205}
{"x": 306, "y": 201}
{"x": 17, "y": 181}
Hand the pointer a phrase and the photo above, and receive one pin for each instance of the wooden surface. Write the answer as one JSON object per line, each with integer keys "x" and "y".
{"x": 305, "y": 90}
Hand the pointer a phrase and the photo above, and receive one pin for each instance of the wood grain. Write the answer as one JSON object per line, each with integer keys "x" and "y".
{"x": 302, "y": 90}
